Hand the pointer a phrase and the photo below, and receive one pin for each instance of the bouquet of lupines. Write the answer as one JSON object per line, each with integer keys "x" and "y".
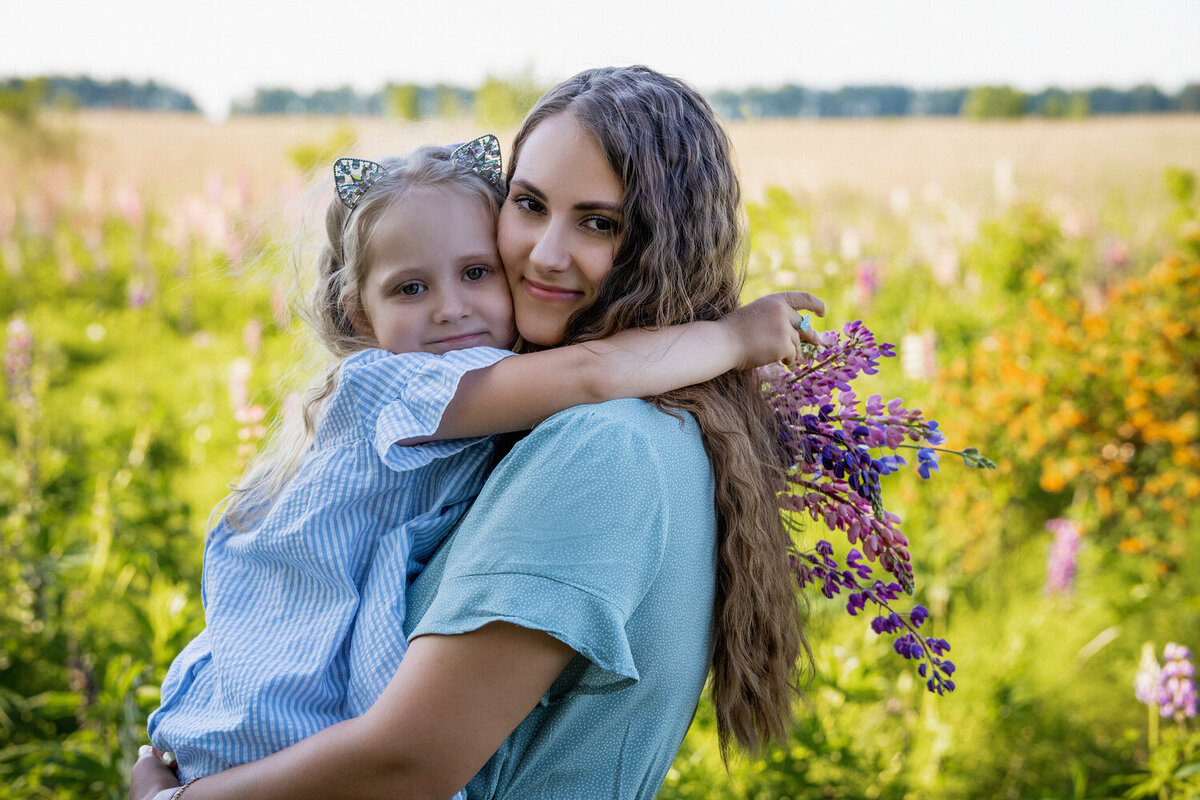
{"x": 839, "y": 448}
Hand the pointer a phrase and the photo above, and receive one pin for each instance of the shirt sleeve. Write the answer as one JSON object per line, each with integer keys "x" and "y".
{"x": 566, "y": 537}
{"x": 404, "y": 395}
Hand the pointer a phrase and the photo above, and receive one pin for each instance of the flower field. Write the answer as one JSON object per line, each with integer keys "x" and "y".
{"x": 1040, "y": 281}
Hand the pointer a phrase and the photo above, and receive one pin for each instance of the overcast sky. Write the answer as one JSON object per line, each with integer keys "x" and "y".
{"x": 221, "y": 50}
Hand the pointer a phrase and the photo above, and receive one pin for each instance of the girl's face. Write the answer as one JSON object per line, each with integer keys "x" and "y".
{"x": 435, "y": 281}
{"x": 558, "y": 228}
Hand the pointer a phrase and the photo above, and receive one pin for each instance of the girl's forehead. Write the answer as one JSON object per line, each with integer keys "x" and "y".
{"x": 434, "y": 220}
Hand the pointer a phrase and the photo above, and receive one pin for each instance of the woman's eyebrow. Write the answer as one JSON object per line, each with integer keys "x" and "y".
{"x": 589, "y": 205}
{"x": 527, "y": 186}
{"x": 597, "y": 205}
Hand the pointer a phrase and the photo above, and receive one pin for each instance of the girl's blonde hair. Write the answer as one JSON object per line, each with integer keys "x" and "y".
{"x": 678, "y": 260}
{"x": 333, "y": 304}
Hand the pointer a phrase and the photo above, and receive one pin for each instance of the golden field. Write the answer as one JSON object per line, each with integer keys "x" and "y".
{"x": 165, "y": 154}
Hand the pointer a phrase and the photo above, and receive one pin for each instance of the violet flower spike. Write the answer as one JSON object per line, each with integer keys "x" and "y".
{"x": 819, "y": 565}
{"x": 832, "y": 440}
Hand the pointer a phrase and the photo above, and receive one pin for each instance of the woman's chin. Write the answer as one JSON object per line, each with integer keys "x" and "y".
{"x": 542, "y": 335}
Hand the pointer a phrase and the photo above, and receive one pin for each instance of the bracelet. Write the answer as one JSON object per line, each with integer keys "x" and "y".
{"x": 179, "y": 792}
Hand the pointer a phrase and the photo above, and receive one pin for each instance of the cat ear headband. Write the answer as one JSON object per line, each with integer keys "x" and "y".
{"x": 481, "y": 155}
{"x": 353, "y": 176}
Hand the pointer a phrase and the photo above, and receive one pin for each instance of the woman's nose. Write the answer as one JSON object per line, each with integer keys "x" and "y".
{"x": 550, "y": 252}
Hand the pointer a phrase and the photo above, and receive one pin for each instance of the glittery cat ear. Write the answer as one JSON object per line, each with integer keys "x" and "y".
{"x": 481, "y": 155}
{"x": 353, "y": 176}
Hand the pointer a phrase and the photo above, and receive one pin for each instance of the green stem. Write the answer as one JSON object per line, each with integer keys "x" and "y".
{"x": 1153, "y": 711}
{"x": 927, "y": 447}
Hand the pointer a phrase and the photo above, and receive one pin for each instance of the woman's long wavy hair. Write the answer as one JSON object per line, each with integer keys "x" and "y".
{"x": 679, "y": 259}
{"x": 333, "y": 304}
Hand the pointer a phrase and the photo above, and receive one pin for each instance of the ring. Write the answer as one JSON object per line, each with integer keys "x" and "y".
{"x": 804, "y": 323}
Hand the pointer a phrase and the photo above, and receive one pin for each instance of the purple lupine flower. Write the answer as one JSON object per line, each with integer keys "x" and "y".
{"x": 139, "y": 295}
{"x": 1064, "y": 552}
{"x": 1145, "y": 684}
{"x": 819, "y": 566}
{"x": 1176, "y": 683}
{"x": 927, "y": 459}
{"x": 834, "y": 468}
{"x": 18, "y": 360}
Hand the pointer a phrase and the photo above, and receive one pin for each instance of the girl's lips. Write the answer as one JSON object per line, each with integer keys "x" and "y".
{"x": 463, "y": 339}
{"x": 540, "y": 291}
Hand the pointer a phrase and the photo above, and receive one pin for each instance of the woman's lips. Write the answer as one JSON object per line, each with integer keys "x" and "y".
{"x": 553, "y": 294}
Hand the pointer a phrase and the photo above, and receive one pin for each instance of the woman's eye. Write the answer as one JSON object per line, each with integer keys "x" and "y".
{"x": 476, "y": 273}
{"x": 411, "y": 288}
{"x": 601, "y": 224}
{"x": 527, "y": 203}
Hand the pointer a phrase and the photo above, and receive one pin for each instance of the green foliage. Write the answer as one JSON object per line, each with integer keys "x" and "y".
{"x": 500, "y": 103}
{"x": 403, "y": 100}
{"x": 24, "y": 128}
{"x": 1054, "y": 350}
{"x": 310, "y": 157}
{"x": 1173, "y": 769}
{"x": 116, "y": 440}
{"x": 1044, "y": 706}
{"x": 19, "y": 104}
{"x": 451, "y": 101}
{"x": 994, "y": 102}
{"x": 1057, "y": 103}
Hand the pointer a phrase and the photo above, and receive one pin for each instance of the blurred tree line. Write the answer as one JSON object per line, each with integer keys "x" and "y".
{"x": 980, "y": 102}
{"x": 85, "y": 92}
{"x": 502, "y": 101}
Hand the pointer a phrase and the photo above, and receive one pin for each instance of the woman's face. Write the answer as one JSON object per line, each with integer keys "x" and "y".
{"x": 558, "y": 228}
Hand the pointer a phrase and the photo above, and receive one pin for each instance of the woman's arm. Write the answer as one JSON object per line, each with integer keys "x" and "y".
{"x": 521, "y": 391}
{"x": 450, "y": 705}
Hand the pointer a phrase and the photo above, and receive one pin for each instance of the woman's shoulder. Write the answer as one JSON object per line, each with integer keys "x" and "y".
{"x": 630, "y": 414}
{"x": 616, "y": 440}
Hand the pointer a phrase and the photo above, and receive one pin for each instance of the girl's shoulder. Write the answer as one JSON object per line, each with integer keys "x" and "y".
{"x": 365, "y": 359}
{"x": 376, "y": 360}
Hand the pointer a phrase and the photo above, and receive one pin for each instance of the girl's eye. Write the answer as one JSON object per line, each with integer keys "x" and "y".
{"x": 476, "y": 273}
{"x": 411, "y": 288}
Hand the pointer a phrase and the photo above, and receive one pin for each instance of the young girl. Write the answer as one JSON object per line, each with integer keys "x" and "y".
{"x": 413, "y": 301}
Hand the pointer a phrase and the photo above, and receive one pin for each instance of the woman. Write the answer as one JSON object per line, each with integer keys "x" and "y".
{"x": 561, "y": 637}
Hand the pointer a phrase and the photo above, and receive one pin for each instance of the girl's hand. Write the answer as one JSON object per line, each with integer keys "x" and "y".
{"x": 772, "y": 328}
{"x": 150, "y": 776}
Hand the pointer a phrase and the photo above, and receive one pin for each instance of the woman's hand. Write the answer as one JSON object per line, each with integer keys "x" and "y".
{"x": 772, "y": 328}
{"x": 150, "y": 776}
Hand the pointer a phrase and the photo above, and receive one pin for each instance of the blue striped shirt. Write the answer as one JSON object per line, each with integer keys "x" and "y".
{"x": 285, "y": 652}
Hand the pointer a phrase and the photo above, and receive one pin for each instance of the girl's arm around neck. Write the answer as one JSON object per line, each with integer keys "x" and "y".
{"x": 521, "y": 391}
{"x": 449, "y": 706}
